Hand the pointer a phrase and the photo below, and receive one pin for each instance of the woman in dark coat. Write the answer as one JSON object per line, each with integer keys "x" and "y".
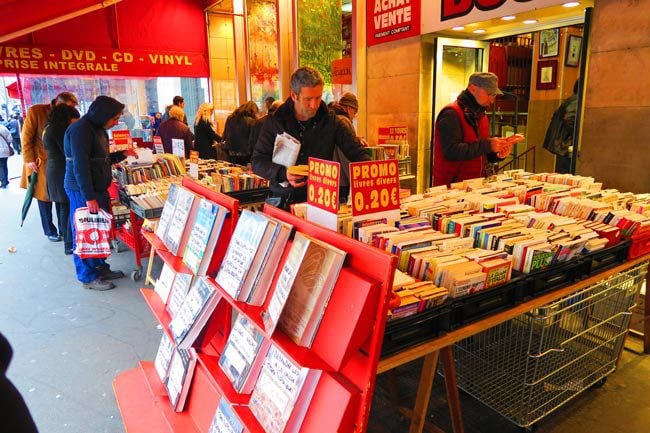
{"x": 58, "y": 121}
{"x": 236, "y": 133}
{"x": 205, "y": 136}
{"x": 174, "y": 128}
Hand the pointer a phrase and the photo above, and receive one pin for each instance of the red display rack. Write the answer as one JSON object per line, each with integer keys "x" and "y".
{"x": 347, "y": 347}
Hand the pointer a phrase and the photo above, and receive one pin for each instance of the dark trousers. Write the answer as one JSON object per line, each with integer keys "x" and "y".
{"x": 17, "y": 145}
{"x": 562, "y": 164}
{"x": 63, "y": 218}
{"x": 45, "y": 210}
{"x": 4, "y": 173}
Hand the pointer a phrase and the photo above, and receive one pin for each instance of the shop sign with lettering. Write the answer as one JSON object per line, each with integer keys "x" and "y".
{"x": 121, "y": 140}
{"x": 392, "y": 134}
{"x": 390, "y": 20}
{"x": 342, "y": 71}
{"x": 47, "y": 60}
{"x": 444, "y": 14}
{"x": 374, "y": 187}
{"x": 323, "y": 181}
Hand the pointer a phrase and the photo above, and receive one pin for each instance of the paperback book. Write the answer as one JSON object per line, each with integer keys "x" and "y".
{"x": 282, "y": 393}
{"x": 194, "y": 313}
{"x": 242, "y": 348}
{"x": 203, "y": 236}
{"x": 181, "y": 286}
{"x": 225, "y": 420}
{"x": 179, "y": 378}
{"x": 164, "y": 357}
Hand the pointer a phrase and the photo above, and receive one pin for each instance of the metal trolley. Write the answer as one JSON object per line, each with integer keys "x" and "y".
{"x": 531, "y": 365}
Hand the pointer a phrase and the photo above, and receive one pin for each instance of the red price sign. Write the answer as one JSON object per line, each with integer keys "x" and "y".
{"x": 122, "y": 140}
{"x": 374, "y": 186}
{"x": 323, "y": 184}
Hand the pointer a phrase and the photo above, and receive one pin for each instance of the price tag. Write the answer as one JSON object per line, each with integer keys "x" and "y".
{"x": 323, "y": 192}
{"x": 178, "y": 147}
{"x": 374, "y": 186}
{"x": 323, "y": 184}
{"x": 157, "y": 144}
{"x": 121, "y": 140}
{"x": 194, "y": 164}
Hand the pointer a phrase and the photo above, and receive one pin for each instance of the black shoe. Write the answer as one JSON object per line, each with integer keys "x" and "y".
{"x": 105, "y": 273}
{"x": 99, "y": 284}
{"x": 67, "y": 251}
{"x": 55, "y": 238}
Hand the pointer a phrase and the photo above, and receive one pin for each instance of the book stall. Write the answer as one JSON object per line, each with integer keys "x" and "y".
{"x": 510, "y": 261}
{"x": 262, "y": 332}
{"x": 270, "y": 323}
{"x": 143, "y": 185}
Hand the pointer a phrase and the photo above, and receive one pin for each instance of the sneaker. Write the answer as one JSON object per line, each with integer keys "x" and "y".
{"x": 55, "y": 238}
{"x": 99, "y": 284}
{"x": 105, "y": 273}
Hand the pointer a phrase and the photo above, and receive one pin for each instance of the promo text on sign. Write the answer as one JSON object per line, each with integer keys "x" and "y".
{"x": 391, "y": 13}
{"x": 323, "y": 184}
{"x": 374, "y": 186}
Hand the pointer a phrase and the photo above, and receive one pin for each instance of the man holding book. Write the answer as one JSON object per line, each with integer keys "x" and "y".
{"x": 305, "y": 117}
{"x": 462, "y": 147}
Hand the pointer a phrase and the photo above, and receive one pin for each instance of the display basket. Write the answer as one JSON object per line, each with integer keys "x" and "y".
{"x": 531, "y": 365}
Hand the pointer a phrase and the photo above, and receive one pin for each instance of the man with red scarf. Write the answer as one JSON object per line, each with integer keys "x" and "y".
{"x": 462, "y": 144}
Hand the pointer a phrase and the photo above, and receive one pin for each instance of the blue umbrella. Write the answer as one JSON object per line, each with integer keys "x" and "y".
{"x": 29, "y": 194}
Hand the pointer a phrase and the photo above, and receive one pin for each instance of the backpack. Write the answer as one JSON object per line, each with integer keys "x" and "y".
{"x": 559, "y": 135}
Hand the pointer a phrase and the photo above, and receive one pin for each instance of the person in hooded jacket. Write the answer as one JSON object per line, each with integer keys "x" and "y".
{"x": 237, "y": 131}
{"x": 88, "y": 176}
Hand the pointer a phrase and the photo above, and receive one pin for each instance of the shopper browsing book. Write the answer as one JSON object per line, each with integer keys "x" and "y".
{"x": 462, "y": 146}
{"x": 305, "y": 117}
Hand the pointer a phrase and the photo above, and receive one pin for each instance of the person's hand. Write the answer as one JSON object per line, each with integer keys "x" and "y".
{"x": 364, "y": 142}
{"x": 516, "y": 138}
{"x": 93, "y": 206}
{"x": 296, "y": 181}
{"x": 33, "y": 166}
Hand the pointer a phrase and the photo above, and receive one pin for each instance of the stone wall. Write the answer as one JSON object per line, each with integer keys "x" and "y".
{"x": 616, "y": 132}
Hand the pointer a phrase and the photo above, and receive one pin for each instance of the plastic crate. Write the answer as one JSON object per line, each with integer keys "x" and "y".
{"x": 478, "y": 305}
{"x": 640, "y": 244}
{"x": 404, "y": 166}
{"x": 145, "y": 213}
{"x": 558, "y": 275}
{"x": 606, "y": 258}
{"x": 250, "y": 195}
{"x": 411, "y": 330}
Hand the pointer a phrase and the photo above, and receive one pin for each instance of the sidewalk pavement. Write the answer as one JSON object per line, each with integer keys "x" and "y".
{"x": 69, "y": 342}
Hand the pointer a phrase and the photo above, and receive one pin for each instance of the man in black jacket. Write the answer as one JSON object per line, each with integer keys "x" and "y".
{"x": 304, "y": 116}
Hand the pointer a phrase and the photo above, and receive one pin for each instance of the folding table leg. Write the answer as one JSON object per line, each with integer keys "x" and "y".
{"x": 452, "y": 389}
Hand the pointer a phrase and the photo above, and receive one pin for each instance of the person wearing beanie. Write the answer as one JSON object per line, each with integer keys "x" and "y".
{"x": 462, "y": 147}
{"x": 88, "y": 176}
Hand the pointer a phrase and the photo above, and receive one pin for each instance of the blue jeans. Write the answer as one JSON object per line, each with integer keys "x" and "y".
{"x": 4, "y": 173}
{"x": 45, "y": 211}
{"x": 86, "y": 268}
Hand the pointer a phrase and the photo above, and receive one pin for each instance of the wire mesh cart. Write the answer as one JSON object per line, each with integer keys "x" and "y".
{"x": 529, "y": 366}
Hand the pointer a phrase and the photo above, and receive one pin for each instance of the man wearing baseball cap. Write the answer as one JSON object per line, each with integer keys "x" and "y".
{"x": 462, "y": 145}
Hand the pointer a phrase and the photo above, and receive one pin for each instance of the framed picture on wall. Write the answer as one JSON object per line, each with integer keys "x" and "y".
{"x": 549, "y": 41}
{"x": 546, "y": 74}
{"x": 573, "y": 50}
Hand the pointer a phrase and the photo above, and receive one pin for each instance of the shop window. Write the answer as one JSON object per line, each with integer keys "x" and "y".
{"x": 263, "y": 50}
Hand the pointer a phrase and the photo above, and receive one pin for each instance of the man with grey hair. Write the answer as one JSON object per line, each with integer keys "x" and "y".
{"x": 304, "y": 116}
{"x": 462, "y": 146}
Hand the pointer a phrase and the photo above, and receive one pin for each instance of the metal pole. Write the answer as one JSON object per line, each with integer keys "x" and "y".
{"x": 584, "y": 55}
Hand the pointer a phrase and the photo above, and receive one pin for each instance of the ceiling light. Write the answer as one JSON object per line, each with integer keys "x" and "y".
{"x": 530, "y": 21}
{"x": 346, "y": 7}
{"x": 570, "y": 4}
{"x": 508, "y": 17}
{"x": 458, "y": 28}
{"x": 479, "y": 31}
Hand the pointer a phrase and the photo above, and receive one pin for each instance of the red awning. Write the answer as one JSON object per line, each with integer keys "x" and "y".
{"x": 152, "y": 38}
